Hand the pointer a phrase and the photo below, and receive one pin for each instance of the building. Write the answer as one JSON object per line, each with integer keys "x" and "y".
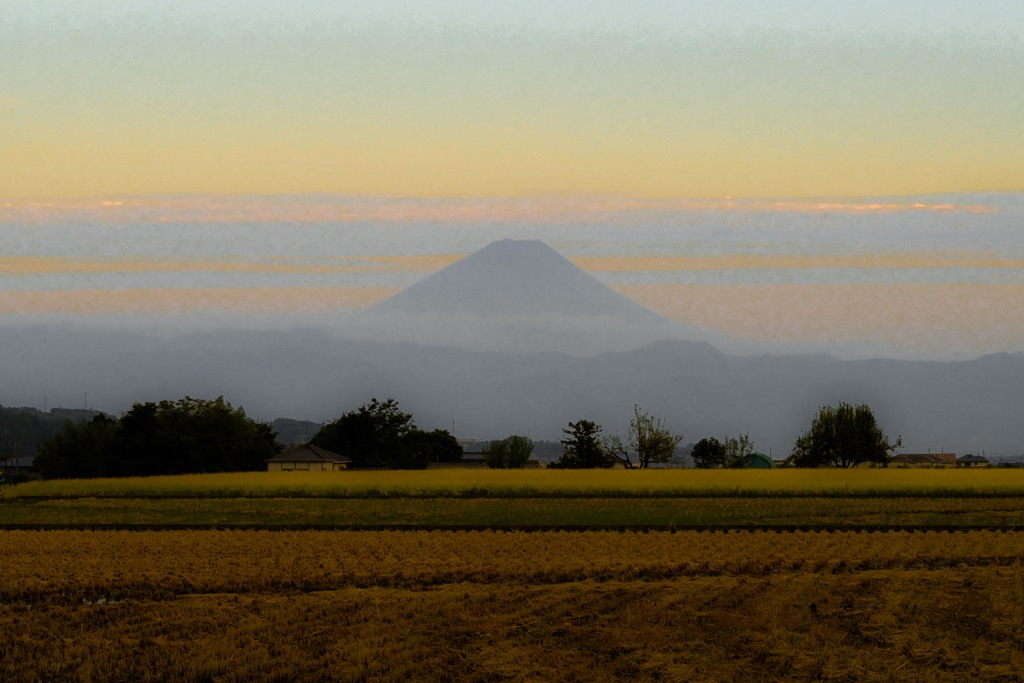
{"x": 970, "y": 460}
{"x": 923, "y": 460}
{"x": 14, "y": 467}
{"x": 307, "y": 458}
{"x": 467, "y": 461}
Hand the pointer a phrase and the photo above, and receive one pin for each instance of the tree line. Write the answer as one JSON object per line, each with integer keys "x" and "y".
{"x": 167, "y": 437}
{"x": 196, "y": 436}
{"x": 192, "y": 436}
{"x": 843, "y": 436}
{"x": 649, "y": 441}
{"x": 23, "y": 429}
{"x": 379, "y": 434}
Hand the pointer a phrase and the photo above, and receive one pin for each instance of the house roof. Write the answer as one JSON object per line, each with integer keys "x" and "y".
{"x": 308, "y": 453}
{"x": 972, "y": 458}
{"x": 941, "y": 458}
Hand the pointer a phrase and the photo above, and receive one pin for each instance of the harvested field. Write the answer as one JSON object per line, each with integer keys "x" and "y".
{"x": 232, "y": 605}
{"x": 858, "y": 599}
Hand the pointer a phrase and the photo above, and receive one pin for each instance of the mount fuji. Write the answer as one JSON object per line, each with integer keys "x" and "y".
{"x": 515, "y": 295}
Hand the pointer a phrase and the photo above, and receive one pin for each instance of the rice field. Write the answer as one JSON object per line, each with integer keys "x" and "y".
{"x": 264, "y": 602}
{"x": 484, "y": 606}
{"x": 92, "y": 565}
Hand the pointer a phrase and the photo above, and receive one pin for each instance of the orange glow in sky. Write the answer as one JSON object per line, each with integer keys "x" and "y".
{"x": 313, "y": 300}
{"x": 907, "y": 260}
{"x": 510, "y": 99}
{"x": 463, "y": 210}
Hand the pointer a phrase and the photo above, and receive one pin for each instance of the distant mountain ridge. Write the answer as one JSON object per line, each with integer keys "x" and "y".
{"x": 955, "y": 406}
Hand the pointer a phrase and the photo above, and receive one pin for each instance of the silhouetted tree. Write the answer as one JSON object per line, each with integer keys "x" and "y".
{"x": 24, "y": 430}
{"x": 379, "y": 434}
{"x": 708, "y": 453}
{"x": 582, "y": 447}
{"x": 374, "y": 435}
{"x": 80, "y": 449}
{"x": 170, "y": 437}
{"x": 512, "y": 452}
{"x": 436, "y": 446}
{"x": 845, "y": 436}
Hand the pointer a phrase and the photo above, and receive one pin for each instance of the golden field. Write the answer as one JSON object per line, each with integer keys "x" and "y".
{"x": 462, "y": 483}
{"x": 500, "y": 604}
{"x": 485, "y": 606}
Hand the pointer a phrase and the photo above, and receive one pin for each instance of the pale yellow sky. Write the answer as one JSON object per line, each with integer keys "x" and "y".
{"x": 691, "y": 99}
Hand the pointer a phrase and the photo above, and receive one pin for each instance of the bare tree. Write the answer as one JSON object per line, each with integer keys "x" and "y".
{"x": 650, "y": 441}
{"x": 738, "y": 450}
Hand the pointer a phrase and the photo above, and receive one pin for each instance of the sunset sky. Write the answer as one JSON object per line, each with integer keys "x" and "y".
{"x": 705, "y": 98}
{"x": 769, "y": 170}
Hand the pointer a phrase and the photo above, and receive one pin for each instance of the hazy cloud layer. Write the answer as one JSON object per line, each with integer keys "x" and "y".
{"x": 512, "y": 210}
{"x": 173, "y": 303}
{"x": 270, "y": 265}
{"x": 938, "y": 276}
{"x": 902, "y": 319}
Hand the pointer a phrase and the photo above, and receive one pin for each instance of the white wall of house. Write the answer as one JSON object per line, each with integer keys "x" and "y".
{"x": 303, "y": 466}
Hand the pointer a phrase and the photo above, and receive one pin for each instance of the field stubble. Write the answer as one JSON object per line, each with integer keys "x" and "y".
{"x": 251, "y": 605}
{"x": 235, "y": 605}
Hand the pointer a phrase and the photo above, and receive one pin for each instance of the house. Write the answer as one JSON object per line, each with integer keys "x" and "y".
{"x": 923, "y": 460}
{"x": 307, "y": 458}
{"x": 14, "y": 467}
{"x": 970, "y": 460}
{"x": 469, "y": 460}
